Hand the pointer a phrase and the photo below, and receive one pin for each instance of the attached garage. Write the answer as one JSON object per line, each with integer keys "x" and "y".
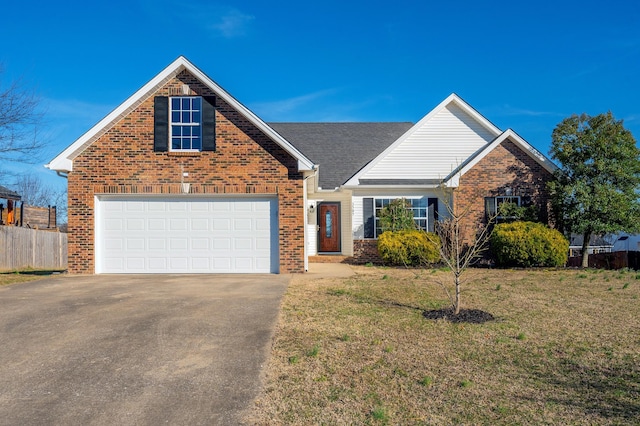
{"x": 153, "y": 234}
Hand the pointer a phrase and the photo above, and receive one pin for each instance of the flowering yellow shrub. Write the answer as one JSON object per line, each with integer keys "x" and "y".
{"x": 528, "y": 244}
{"x": 409, "y": 248}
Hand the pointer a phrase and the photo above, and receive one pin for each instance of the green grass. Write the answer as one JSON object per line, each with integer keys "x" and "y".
{"x": 577, "y": 363}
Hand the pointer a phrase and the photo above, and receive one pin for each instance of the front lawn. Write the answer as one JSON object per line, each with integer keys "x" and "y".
{"x": 564, "y": 348}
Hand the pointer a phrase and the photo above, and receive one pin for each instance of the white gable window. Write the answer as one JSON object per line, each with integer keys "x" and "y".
{"x": 186, "y": 123}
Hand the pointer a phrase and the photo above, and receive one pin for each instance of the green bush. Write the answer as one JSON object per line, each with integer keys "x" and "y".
{"x": 528, "y": 244}
{"x": 397, "y": 216}
{"x": 409, "y": 248}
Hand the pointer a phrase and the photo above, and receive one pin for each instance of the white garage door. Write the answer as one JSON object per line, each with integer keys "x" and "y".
{"x": 186, "y": 235}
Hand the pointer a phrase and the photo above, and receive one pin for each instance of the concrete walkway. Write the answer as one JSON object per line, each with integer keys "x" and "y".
{"x": 328, "y": 270}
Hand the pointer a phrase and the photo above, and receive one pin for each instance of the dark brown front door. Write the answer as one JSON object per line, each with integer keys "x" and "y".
{"x": 329, "y": 229}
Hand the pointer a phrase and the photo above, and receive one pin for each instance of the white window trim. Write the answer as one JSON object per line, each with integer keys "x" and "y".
{"x": 503, "y": 197}
{"x": 171, "y": 124}
{"x": 376, "y": 209}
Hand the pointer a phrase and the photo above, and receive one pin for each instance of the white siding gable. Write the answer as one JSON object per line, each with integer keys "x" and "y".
{"x": 436, "y": 146}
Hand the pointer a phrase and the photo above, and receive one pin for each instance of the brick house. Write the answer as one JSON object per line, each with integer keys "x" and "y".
{"x": 183, "y": 178}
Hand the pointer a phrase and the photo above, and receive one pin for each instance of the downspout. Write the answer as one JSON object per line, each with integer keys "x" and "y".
{"x": 306, "y": 218}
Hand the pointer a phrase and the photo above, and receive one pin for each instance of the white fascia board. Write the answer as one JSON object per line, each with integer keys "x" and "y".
{"x": 399, "y": 187}
{"x": 452, "y": 98}
{"x": 453, "y": 179}
{"x": 63, "y": 162}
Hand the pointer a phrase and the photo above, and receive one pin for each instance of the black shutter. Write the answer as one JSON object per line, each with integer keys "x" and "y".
{"x": 160, "y": 123}
{"x": 209, "y": 123}
{"x": 432, "y": 213}
{"x": 368, "y": 218}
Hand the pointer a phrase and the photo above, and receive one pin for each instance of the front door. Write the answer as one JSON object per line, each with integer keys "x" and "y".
{"x": 329, "y": 229}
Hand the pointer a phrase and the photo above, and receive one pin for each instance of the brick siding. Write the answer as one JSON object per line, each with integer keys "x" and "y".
{"x": 122, "y": 160}
{"x": 506, "y": 166}
{"x": 365, "y": 251}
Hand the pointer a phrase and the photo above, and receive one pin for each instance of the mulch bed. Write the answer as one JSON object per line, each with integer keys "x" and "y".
{"x": 470, "y": 316}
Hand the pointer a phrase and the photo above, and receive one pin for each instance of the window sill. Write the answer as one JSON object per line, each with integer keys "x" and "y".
{"x": 183, "y": 153}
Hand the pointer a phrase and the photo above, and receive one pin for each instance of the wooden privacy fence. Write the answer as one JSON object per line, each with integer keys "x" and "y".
{"x": 613, "y": 260}
{"x": 22, "y": 248}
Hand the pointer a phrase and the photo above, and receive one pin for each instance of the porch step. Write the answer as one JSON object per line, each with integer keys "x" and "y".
{"x": 327, "y": 258}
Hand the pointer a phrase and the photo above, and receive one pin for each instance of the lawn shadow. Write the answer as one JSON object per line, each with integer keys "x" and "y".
{"x": 612, "y": 392}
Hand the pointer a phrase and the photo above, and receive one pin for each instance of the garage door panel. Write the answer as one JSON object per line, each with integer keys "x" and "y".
{"x": 135, "y": 263}
{"x": 155, "y": 224}
{"x": 178, "y": 224}
{"x": 200, "y": 224}
{"x": 156, "y": 206}
{"x": 221, "y": 243}
{"x": 242, "y": 224}
{"x": 199, "y": 244}
{"x": 157, "y": 264}
{"x": 178, "y": 244}
{"x": 221, "y": 224}
{"x": 157, "y": 244}
{"x": 113, "y": 224}
{"x": 185, "y": 235}
{"x": 134, "y": 224}
{"x": 135, "y": 244}
{"x": 179, "y": 264}
{"x": 133, "y": 207}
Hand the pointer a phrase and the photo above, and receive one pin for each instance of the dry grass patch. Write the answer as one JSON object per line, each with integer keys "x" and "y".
{"x": 7, "y": 278}
{"x": 563, "y": 349}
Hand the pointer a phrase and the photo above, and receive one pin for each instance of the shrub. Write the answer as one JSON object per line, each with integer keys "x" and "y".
{"x": 528, "y": 244}
{"x": 397, "y": 216}
{"x": 409, "y": 247}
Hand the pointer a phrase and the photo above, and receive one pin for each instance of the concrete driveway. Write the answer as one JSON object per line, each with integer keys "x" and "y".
{"x": 135, "y": 349}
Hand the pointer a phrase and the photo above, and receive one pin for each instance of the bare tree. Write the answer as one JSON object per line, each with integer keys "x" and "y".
{"x": 462, "y": 243}
{"x": 19, "y": 124}
{"x": 35, "y": 192}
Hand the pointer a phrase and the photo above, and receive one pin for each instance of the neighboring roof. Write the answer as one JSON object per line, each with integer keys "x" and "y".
{"x": 607, "y": 240}
{"x": 64, "y": 161}
{"x": 7, "y": 194}
{"x": 340, "y": 149}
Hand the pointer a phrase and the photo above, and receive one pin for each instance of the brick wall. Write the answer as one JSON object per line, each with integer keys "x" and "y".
{"x": 507, "y": 166}
{"x": 122, "y": 160}
{"x": 365, "y": 251}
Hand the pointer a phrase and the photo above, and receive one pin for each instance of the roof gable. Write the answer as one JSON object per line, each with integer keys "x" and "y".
{"x": 434, "y": 147}
{"x": 453, "y": 178}
{"x": 63, "y": 162}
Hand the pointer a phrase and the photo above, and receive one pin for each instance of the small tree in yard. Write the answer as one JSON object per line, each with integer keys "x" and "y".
{"x": 460, "y": 247}
{"x": 598, "y": 185}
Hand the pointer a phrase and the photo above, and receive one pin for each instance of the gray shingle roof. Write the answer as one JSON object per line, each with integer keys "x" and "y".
{"x": 340, "y": 149}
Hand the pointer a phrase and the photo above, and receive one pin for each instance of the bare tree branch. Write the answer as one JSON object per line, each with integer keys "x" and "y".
{"x": 20, "y": 120}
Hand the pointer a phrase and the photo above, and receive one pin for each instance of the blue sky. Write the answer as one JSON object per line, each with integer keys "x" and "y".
{"x": 523, "y": 65}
